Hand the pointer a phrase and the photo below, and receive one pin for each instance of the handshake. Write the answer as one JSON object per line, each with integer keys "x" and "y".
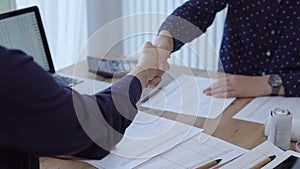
{"x": 153, "y": 60}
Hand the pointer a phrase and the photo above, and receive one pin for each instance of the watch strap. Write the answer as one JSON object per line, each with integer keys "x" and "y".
{"x": 275, "y": 90}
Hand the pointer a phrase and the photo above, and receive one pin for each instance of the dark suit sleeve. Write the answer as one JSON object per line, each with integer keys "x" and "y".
{"x": 107, "y": 119}
{"x": 40, "y": 117}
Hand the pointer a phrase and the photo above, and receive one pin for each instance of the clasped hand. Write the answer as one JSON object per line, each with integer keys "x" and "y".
{"x": 147, "y": 69}
{"x": 153, "y": 60}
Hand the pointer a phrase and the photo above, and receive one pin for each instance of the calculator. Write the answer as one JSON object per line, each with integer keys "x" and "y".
{"x": 110, "y": 68}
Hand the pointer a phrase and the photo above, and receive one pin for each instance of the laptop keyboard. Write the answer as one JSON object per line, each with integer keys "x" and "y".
{"x": 67, "y": 81}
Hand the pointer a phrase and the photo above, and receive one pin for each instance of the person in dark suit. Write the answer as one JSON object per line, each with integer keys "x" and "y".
{"x": 39, "y": 117}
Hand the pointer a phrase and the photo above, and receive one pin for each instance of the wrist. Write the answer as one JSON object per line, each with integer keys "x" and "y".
{"x": 141, "y": 74}
{"x": 164, "y": 41}
{"x": 275, "y": 83}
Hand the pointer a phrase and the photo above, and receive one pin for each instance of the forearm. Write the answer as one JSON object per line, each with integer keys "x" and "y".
{"x": 106, "y": 125}
{"x": 164, "y": 41}
{"x": 264, "y": 89}
{"x": 57, "y": 120}
{"x": 191, "y": 20}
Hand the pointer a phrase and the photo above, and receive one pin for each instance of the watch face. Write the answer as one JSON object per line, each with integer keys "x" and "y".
{"x": 275, "y": 80}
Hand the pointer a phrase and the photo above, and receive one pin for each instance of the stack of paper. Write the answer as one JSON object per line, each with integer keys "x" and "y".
{"x": 195, "y": 152}
{"x": 146, "y": 137}
{"x": 185, "y": 95}
{"x": 258, "y": 109}
{"x": 152, "y": 142}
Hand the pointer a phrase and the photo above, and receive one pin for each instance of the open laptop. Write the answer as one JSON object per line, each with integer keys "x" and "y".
{"x": 23, "y": 30}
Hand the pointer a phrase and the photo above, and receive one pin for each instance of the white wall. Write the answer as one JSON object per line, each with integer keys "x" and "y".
{"x": 201, "y": 53}
{"x": 7, "y": 5}
{"x": 100, "y": 14}
{"x": 67, "y": 35}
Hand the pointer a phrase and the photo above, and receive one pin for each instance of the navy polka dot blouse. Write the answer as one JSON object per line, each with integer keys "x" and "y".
{"x": 260, "y": 37}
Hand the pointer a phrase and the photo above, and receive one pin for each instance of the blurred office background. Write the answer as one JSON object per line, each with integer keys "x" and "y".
{"x": 69, "y": 24}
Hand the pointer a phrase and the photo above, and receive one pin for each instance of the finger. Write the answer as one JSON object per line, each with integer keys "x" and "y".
{"x": 114, "y": 148}
{"x": 149, "y": 52}
{"x": 212, "y": 92}
{"x": 221, "y": 86}
{"x": 219, "y": 90}
{"x": 227, "y": 94}
{"x": 221, "y": 82}
{"x": 154, "y": 82}
{"x": 220, "y": 95}
{"x": 207, "y": 90}
{"x": 148, "y": 45}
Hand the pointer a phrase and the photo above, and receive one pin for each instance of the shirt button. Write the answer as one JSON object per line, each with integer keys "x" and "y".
{"x": 268, "y": 53}
{"x": 273, "y": 32}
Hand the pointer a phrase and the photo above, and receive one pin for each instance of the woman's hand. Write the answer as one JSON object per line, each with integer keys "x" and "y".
{"x": 241, "y": 86}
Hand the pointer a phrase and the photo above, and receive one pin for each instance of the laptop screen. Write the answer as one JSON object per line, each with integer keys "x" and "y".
{"x": 23, "y": 30}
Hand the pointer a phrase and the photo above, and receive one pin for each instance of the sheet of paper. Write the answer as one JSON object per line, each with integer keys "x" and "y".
{"x": 145, "y": 138}
{"x": 258, "y": 109}
{"x": 254, "y": 156}
{"x": 194, "y": 153}
{"x": 185, "y": 95}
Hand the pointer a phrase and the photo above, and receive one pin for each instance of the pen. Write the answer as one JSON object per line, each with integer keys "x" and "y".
{"x": 154, "y": 92}
{"x": 263, "y": 162}
{"x": 210, "y": 164}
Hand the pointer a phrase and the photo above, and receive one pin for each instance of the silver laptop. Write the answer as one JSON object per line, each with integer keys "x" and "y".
{"x": 23, "y": 30}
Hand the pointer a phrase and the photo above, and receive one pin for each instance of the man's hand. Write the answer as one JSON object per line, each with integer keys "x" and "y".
{"x": 164, "y": 46}
{"x": 240, "y": 86}
{"x": 147, "y": 67}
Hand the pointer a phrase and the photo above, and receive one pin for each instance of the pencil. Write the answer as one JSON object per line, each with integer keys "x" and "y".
{"x": 154, "y": 92}
{"x": 263, "y": 162}
{"x": 210, "y": 164}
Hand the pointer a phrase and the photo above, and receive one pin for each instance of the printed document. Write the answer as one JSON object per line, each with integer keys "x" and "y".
{"x": 194, "y": 153}
{"x": 185, "y": 95}
{"x": 258, "y": 109}
{"x": 184, "y": 149}
{"x": 146, "y": 137}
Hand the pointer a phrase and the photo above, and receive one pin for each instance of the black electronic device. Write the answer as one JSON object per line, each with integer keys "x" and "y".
{"x": 109, "y": 67}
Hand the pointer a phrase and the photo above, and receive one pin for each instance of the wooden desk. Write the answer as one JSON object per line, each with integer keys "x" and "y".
{"x": 241, "y": 133}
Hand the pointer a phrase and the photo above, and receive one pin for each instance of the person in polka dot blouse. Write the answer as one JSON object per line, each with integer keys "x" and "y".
{"x": 260, "y": 45}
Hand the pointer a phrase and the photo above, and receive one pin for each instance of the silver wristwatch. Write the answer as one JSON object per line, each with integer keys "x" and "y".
{"x": 275, "y": 82}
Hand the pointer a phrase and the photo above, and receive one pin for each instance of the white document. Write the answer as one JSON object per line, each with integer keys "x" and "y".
{"x": 254, "y": 156}
{"x": 258, "y": 109}
{"x": 146, "y": 137}
{"x": 194, "y": 153}
{"x": 185, "y": 95}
